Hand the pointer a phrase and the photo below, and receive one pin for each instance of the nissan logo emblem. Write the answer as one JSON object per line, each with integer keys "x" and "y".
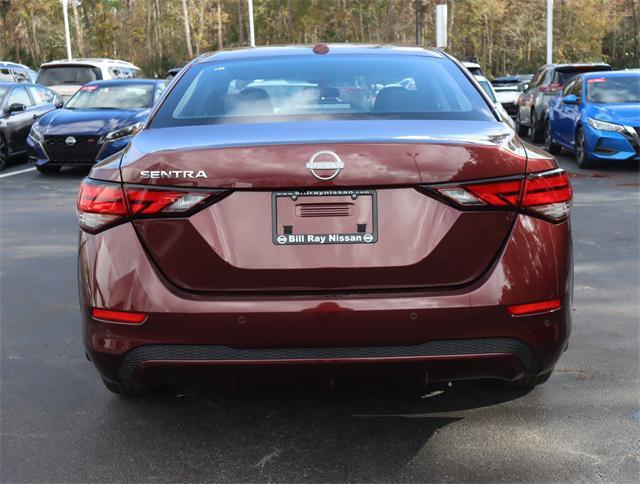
{"x": 70, "y": 141}
{"x": 326, "y": 162}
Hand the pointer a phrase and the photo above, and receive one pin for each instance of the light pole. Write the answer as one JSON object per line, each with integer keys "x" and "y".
{"x": 549, "y": 31}
{"x": 252, "y": 35}
{"x": 67, "y": 36}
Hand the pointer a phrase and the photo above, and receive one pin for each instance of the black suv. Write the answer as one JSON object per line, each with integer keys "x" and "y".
{"x": 545, "y": 85}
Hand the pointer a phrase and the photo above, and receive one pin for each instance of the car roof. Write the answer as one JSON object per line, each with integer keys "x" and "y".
{"x": 302, "y": 50}
{"x": 581, "y": 64}
{"x": 15, "y": 65}
{"x": 116, "y": 82}
{"x": 91, "y": 61}
{"x": 589, "y": 75}
{"x": 12, "y": 84}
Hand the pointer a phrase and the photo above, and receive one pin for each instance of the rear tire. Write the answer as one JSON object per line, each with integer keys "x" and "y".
{"x": 521, "y": 130}
{"x": 127, "y": 390}
{"x": 582, "y": 158}
{"x": 48, "y": 170}
{"x": 536, "y": 128}
{"x": 529, "y": 381}
{"x": 549, "y": 144}
{"x": 4, "y": 153}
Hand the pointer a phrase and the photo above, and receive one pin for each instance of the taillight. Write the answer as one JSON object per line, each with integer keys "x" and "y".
{"x": 547, "y": 194}
{"x": 101, "y": 204}
{"x": 555, "y": 86}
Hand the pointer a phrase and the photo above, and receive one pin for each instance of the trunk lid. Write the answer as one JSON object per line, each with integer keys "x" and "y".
{"x": 282, "y": 229}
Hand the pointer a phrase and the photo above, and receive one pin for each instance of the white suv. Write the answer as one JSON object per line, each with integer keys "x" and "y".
{"x": 65, "y": 77}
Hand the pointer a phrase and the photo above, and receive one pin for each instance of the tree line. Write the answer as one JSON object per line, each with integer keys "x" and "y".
{"x": 506, "y": 36}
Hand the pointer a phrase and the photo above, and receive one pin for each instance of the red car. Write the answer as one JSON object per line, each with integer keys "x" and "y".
{"x": 261, "y": 217}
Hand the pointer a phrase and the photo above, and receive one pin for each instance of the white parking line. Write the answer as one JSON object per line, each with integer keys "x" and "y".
{"x": 26, "y": 170}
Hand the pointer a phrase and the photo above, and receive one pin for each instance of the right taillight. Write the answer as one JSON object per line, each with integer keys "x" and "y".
{"x": 102, "y": 204}
{"x": 546, "y": 194}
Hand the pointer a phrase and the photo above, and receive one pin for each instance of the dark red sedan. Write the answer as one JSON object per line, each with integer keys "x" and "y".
{"x": 325, "y": 205}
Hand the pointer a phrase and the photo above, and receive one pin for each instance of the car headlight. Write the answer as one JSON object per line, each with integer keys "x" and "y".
{"x": 604, "y": 126}
{"x": 122, "y": 132}
{"x": 35, "y": 133}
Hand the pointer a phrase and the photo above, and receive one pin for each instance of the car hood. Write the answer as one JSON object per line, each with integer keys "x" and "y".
{"x": 627, "y": 113}
{"x": 507, "y": 96}
{"x": 89, "y": 121}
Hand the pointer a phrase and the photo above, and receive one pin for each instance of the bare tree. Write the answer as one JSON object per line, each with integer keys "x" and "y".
{"x": 187, "y": 28}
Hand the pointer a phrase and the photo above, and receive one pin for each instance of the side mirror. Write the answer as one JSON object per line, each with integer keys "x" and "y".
{"x": 16, "y": 108}
{"x": 523, "y": 87}
{"x": 570, "y": 99}
{"x": 59, "y": 104}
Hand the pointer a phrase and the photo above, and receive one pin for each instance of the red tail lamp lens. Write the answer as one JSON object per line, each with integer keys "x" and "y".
{"x": 101, "y": 204}
{"x": 118, "y": 316}
{"x": 533, "y": 308}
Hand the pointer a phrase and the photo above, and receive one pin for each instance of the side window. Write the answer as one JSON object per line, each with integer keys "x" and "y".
{"x": 5, "y": 75}
{"x": 159, "y": 88}
{"x": 538, "y": 78}
{"x": 567, "y": 89}
{"x": 40, "y": 94}
{"x": 20, "y": 76}
{"x": 577, "y": 88}
{"x": 19, "y": 95}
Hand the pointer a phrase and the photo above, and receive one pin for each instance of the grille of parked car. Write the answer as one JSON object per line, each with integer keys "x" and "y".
{"x": 84, "y": 150}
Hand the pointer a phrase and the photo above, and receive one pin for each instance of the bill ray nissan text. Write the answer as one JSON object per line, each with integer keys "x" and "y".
{"x": 325, "y": 205}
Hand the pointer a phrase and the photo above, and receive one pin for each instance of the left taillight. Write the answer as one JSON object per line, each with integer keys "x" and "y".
{"x": 103, "y": 204}
{"x": 546, "y": 194}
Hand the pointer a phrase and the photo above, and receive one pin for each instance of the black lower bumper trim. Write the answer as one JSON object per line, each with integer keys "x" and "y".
{"x": 453, "y": 348}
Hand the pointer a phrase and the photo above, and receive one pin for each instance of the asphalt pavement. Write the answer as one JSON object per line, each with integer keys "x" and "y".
{"x": 59, "y": 424}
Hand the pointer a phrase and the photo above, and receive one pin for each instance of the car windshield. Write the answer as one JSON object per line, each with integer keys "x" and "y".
{"x": 78, "y": 75}
{"x": 127, "y": 96}
{"x": 304, "y": 88}
{"x": 610, "y": 90}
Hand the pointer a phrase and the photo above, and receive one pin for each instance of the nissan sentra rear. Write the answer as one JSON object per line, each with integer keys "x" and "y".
{"x": 325, "y": 205}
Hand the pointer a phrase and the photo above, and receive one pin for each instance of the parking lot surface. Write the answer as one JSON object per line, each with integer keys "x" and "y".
{"x": 59, "y": 424}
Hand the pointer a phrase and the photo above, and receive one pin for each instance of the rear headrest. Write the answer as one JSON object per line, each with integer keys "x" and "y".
{"x": 395, "y": 99}
{"x": 252, "y": 101}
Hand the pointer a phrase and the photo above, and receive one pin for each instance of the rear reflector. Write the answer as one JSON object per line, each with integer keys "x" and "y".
{"x": 118, "y": 316}
{"x": 547, "y": 194}
{"x": 532, "y": 308}
{"x": 101, "y": 204}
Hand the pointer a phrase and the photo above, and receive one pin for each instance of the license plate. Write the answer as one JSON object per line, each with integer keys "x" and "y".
{"x": 323, "y": 217}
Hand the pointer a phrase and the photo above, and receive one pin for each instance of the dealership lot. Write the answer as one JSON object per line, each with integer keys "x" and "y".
{"x": 59, "y": 424}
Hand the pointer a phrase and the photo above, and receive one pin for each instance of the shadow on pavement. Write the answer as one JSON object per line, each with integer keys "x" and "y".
{"x": 287, "y": 433}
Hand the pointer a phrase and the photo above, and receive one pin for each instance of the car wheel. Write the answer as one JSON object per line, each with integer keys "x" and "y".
{"x": 536, "y": 131}
{"x": 521, "y": 130}
{"x": 48, "y": 170}
{"x": 549, "y": 145}
{"x": 127, "y": 390}
{"x": 582, "y": 158}
{"x": 4, "y": 153}
{"x": 529, "y": 381}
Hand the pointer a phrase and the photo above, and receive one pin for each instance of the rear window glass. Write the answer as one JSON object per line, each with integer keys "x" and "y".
{"x": 563, "y": 76}
{"x": 78, "y": 75}
{"x": 308, "y": 88}
{"x": 138, "y": 96}
{"x": 613, "y": 90}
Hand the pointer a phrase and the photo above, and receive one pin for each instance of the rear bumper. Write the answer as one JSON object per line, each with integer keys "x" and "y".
{"x": 465, "y": 333}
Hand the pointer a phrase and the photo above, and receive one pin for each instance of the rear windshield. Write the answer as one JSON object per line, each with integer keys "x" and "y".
{"x": 564, "y": 75}
{"x": 133, "y": 96}
{"x": 613, "y": 90}
{"x": 322, "y": 87}
{"x": 78, "y": 75}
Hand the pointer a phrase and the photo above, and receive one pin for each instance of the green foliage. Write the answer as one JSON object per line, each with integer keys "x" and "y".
{"x": 507, "y": 36}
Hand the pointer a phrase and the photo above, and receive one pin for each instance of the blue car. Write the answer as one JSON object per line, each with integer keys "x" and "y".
{"x": 98, "y": 121}
{"x": 597, "y": 117}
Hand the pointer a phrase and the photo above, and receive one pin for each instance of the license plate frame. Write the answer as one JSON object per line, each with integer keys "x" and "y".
{"x": 335, "y": 238}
